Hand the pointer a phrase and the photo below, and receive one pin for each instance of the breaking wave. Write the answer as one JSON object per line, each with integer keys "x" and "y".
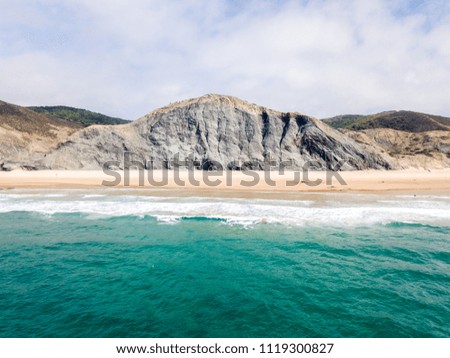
{"x": 319, "y": 210}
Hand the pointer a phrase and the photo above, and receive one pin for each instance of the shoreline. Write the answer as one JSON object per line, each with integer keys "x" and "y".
{"x": 410, "y": 180}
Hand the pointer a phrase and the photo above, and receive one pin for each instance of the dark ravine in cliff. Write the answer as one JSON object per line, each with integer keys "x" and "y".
{"x": 211, "y": 129}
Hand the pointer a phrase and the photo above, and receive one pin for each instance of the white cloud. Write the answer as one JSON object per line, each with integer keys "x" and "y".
{"x": 318, "y": 57}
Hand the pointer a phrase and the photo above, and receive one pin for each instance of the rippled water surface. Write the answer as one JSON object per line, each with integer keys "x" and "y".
{"x": 92, "y": 264}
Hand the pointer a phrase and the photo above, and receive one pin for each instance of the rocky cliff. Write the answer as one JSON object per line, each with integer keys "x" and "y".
{"x": 216, "y": 130}
{"x": 223, "y": 131}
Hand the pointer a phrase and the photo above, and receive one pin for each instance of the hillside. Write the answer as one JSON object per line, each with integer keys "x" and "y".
{"x": 25, "y": 135}
{"x": 216, "y": 128}
{"x": 224, "y": 131}
{"x": 341, "y": 121}
{"x": 80, "y": 116}
{"x": 406, "y": 121}
{"x": 406, "y": 139}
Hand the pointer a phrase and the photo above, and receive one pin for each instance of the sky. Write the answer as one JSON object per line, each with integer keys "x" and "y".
{"x": 321, "y": 58}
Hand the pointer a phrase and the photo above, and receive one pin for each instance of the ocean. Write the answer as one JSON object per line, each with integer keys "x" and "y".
{"x": 129, "y": 263}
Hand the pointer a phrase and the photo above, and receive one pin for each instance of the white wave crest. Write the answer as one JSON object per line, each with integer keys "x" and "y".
{"x": 328, "y": 210}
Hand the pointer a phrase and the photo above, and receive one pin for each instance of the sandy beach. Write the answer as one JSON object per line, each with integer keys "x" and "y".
{"x": 364, "y": 181}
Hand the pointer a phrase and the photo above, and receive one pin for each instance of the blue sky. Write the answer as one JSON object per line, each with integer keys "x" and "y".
{"x": 321, "y": 58}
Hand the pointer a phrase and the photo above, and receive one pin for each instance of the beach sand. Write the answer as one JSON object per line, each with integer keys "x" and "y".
{"x": 256, "y": 181}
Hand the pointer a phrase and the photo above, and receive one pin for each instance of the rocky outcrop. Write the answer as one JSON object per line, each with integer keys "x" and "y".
{"x": 216, "y": 130}
{"x": 422, "y": 150}
{"x": 221, "y": 131}
{"x": 403, "y": 138}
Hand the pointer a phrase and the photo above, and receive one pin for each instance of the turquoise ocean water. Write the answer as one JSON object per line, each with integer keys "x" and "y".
{"x": 121, "y": 264}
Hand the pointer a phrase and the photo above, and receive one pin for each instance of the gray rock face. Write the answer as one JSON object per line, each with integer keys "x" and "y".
{"x": 215, "y": 130}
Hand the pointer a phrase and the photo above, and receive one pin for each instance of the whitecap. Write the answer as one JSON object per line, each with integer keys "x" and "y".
{"x": 337, "y": 210}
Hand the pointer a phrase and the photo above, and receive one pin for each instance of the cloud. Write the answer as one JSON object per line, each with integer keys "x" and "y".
{"x": 317, "y": 57}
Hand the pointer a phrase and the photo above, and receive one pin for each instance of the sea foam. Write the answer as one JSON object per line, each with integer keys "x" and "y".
{"x": 329, "y": 210}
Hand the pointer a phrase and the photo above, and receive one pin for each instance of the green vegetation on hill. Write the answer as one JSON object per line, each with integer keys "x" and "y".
{"x": 21, "y": 119}
{"x": 342, "y": 121}
{"x": 400, "y": 120}
{"x": 77, "y": 115}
